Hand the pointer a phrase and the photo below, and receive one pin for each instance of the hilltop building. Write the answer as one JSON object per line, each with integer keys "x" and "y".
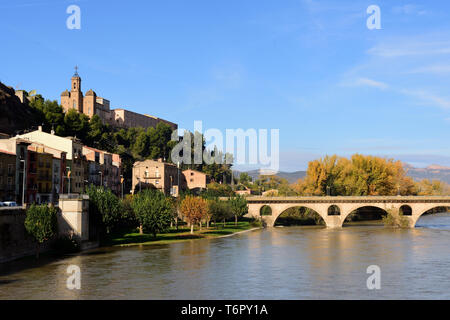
{"x": 91, "y": 104}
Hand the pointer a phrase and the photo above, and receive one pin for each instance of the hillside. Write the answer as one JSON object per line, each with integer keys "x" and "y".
{"x": 15, "y": 115}
{"x": 433, "y": 172}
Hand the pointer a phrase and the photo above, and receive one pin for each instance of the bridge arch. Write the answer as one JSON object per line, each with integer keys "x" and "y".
{"x": 406, "y": 210}
{"x": 350, "y": 209}
{"x": 279, "y": 208}
{"x": 265, "y": 210}
{"x": 309, "y": 218}
{"x": 334, "y": 210}
{"x": 423, "y": 210}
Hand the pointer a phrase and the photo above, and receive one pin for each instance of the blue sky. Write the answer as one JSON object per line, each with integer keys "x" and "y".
{"x": 310, "y": 68}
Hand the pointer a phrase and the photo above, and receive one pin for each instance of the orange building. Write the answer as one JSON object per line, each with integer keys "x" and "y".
{"x": 195, "y": 179}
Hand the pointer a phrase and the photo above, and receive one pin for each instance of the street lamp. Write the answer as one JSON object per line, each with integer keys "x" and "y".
{"x": 178, "y": 171}
{"x": 68, "y": 177}
{"x": 101, "y": 178}
{"x": 121, "y": 184}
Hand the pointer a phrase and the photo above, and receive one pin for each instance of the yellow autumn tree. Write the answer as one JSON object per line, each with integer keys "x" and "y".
{"x": 194, "y": 209}
{"x": 358, "y": 176}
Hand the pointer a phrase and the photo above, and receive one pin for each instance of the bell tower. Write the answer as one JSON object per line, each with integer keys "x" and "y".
{"x": 75, "y": 92}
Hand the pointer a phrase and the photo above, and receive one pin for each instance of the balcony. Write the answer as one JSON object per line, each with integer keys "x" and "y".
{"x": 152, "y": 176}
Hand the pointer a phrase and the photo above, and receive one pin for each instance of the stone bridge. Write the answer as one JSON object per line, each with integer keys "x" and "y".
{"x": 334, "y": 210}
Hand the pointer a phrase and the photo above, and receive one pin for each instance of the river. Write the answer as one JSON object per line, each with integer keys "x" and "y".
{"x": 277, "y": 263}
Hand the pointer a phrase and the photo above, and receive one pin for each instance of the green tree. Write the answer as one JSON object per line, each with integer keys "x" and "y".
{"x": 239, "y": 207}
{"x": 153, "y": 211}
{"x": 220, "y": 210}
{"x": 104, "y": 205}
{"x": 41, "y": 223}
{"x": 76, "y": 124}
{"x": 245, "y": 179}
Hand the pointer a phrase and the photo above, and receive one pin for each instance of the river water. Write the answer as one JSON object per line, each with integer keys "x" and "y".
{"x": 277, "y": 263}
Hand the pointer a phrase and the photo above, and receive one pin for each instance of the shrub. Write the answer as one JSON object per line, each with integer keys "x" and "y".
{"x": 395, "y": 219}
{"x": 66, "y": 244}
{"x": 41, "y": 223}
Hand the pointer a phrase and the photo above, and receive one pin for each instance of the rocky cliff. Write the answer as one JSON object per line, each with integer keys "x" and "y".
{"x": 14, "y": 115}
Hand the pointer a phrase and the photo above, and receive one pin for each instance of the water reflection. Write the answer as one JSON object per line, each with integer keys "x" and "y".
{"x": 278, "y": 263}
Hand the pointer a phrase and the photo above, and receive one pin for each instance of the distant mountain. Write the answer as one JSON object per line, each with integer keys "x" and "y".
{"x": 289, "y": 176}
{"x": 433, "y": 172}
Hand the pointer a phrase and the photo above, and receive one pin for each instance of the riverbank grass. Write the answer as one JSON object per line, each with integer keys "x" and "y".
{"x": 131, "y": 237}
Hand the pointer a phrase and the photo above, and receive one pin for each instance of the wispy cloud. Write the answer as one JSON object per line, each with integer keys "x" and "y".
{"x": 365, "y": 82}
{"x": 433, "y": 69}
{"x": 410, "y": 9}
{"x": 410, "y": 48}
{"x": 429, "y": 98}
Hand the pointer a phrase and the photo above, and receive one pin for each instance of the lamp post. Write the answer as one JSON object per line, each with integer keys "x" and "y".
{"x": 178, "y": 171}
{"x": 121, "y": 184}
{"x": 68, "y": 177}
{"x": 24, "y": 181}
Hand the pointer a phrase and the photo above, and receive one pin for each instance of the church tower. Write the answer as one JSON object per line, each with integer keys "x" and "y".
{"x": 73, "y": 99}
{"x": 75, "y": 92}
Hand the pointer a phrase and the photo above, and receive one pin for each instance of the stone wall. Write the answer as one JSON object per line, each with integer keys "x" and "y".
{"x": 15, "y": 242}
{"x": 73, "y": 220}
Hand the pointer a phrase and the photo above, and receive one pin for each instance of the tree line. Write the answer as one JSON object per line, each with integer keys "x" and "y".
{"x": 149, "y": 211}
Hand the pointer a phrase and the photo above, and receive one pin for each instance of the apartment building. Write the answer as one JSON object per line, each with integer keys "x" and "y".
{"x": 76, "y": 164}
{"x": 195, "y": 179}
{"x": 7, "y": 176}
{"x": 103, "y": 168}
{"x": 18, "y": 147}
{"x": 155, "y": 174}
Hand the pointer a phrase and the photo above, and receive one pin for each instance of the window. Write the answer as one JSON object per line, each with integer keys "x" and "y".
{"x": 10, "y": 183}
{"x": 10, "y": 169}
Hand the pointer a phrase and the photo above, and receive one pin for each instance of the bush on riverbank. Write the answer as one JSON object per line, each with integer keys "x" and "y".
{"x": 65, "y": 245}
{"x": 395, "y": 219}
